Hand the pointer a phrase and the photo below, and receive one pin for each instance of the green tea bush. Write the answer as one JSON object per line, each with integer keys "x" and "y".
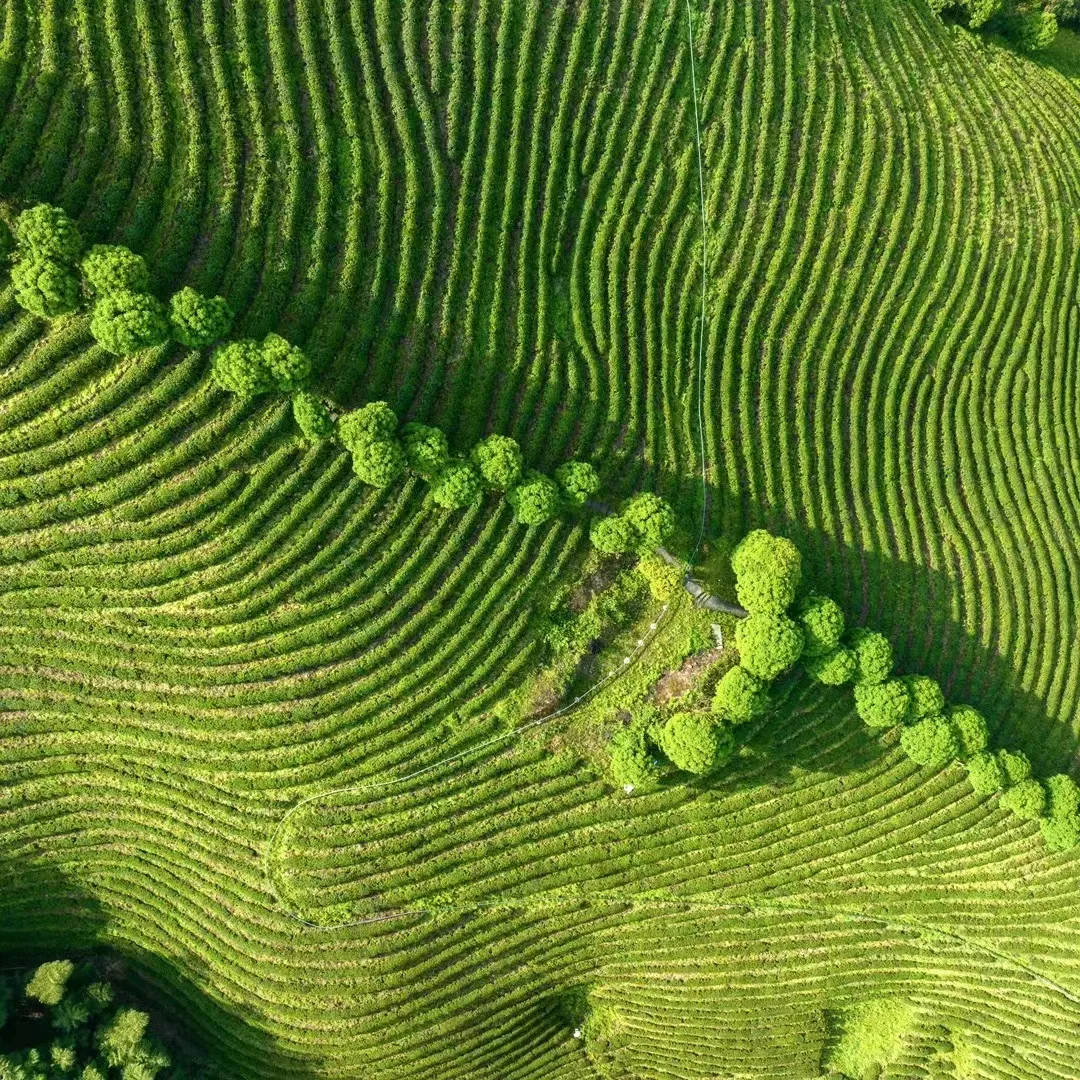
{"x": 371, "y": 422}
{"x": 833, "y": 669}
{"x": 696, "y": 742}
{"x": 986, "y": 774}
{"x": 926, "y": 697}
{"x": 534, "y": 499}
{"x": 110, "y": 268}
{"x": 1027, "y": 800}
{"x": 882, "y": 704}
{"x": 498, "y": 460}
{"x": 379, "y": 462}
{"x": 612, "y": 535}
{"x": 46, "y": 287}
{"x": 196, "y": 320}
{"x": 740, "y": 696}
{"x": 577, "y": 481}
{"x": 127, "y": 322}
{"x": 873, "y": 655}
{"x": 426, "y": 450}
{"x": 768, "y": 644}
{"x": 650, "y": 517}
{"x": 1061, "y": 820}
{"x": 822, "y": 621}
{"x": 768, "y": 571}
{"x": 931, "y": 741}
{"x": 312, "y": 416}
{"x": 664, "y": 579}
{"x": 971, "y": 730}
{"x": 47, "y": 231}
{"x": 457, "y": 486}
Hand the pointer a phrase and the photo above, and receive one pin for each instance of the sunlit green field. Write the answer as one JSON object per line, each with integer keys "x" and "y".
{"x": 487, "y": 214}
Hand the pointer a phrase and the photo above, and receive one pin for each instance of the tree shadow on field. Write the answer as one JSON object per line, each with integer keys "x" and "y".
{"x": 933, "y": 627}
{"x": 46, "y": 913}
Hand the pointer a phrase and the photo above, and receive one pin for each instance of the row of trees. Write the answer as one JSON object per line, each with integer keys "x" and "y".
{"x": 54, "y": 274}
{"x": 784, "y": 626}
{"x": 67, "y": 1025}
{"x": 1031, "y": 25}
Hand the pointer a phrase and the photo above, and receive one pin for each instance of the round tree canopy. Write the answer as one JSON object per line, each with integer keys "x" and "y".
{"x": 971, "y": 730}
{"x": 578, "y": 481}
{"x": 312, "y": 416}
{"x": 46, "y": 230}
{"x": 426, "y": 449}
{"x": 612, "y": 535}
{"x": 127, "y": 322}
{"x": 112, "y": 267}
{"x": 833, "y": 669}
{"x": 931, "y": 742}
{"x": 1027, "y": 800}
{"x": 46, "y": 287}
{"x": 926, "y": 697}
{"x": 768, "y": 644}
{"x": 986, "y": 774}
{"x": 370, "y": 422}
{"x": 457, "y": 486}
{"x": 740, "y": 696}
{"x": 379, "y": 462}
{"x": 823, "y": 624}
{"x": 873, "y": 655}
{"x": 535, "y": 499}
{"x": 198, "y": 320}
{"x": 696, "y": 742}
{"x": 768, "y": 571}
{"x": 651, "y": 517}
{"x": 498, "y": 460}
{"x": 882, "y": 705}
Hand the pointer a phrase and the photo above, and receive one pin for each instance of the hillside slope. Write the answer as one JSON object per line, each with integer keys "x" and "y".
{"x": 487, "y": 214}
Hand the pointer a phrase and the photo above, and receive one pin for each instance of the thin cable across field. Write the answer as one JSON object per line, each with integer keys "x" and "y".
{"x": 628, "y": 661}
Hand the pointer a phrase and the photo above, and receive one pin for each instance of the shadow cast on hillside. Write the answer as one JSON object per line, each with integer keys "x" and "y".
{"x": 47, "y": 914}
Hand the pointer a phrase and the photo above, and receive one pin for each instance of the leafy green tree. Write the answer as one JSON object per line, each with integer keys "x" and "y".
{"x": 926, "y": 697}
{"x": 931, "y": 741}
{"x": 768, "y": 571}
{"x": 650, "y": 517}
{"x": 884, "y": 704}
{"x": 379, "y": 462}
{"x": 985, "y": 773}
{"x": 833, "y": 669}
{"x": 577, "y": 481}
{"x": 873, "y": 655}
{"x": 696, "y": 742}
{"x": 768, "y": 644}
{"x": 664, "y": 579}
{"x": 1034, "y": 30}
{"x": 612, "y": 535}
{"x": 127, "y": 322}
{"x": 426, "y": 449}
{"x": 1027, "y": 800}
{"x": 312, "y": 416}
{"x": 112, "y": 268}
{"x": 49, "y": 981}
{"x": 632, "y": 760}
{"x": 288, "y": 366}
{"x": 457, "y": 486}
{"x": 740, "y": 696}
{"x": 47, "y": 231}
{"x": 196, "y": 320}
{"x": 237, "y": 366}
{"x": 371, "y": 422}
{"x": 971, "y": 730}
{"x": 822, "y": 621}
{"x": 499, "y": 462}
{"x": 534, "y": 499}
{"x": 46, "y": 287}
{"x": 1015, "y": 765}
{"x": 1061, "y": 819}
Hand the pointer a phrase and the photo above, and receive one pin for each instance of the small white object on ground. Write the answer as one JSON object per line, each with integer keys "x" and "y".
{"x": 718, "y": 635}
{"x": 628, "y": 788}
{"x": 577, "y": 1033}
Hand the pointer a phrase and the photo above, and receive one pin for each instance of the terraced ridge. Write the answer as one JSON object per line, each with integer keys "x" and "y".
{"x": 486, "y": 213}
